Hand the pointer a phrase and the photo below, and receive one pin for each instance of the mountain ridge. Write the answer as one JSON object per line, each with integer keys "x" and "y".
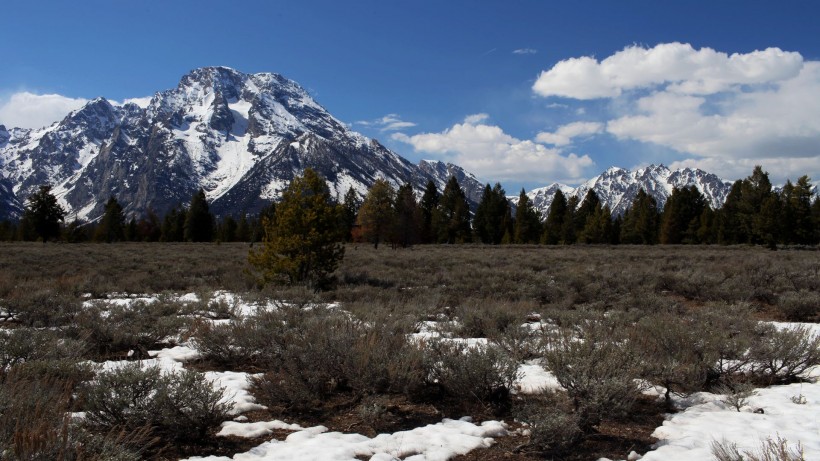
{"x": 240, "y": 137}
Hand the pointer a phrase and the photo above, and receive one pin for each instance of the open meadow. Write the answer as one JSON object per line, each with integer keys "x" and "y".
{"x": 174, "y": 351}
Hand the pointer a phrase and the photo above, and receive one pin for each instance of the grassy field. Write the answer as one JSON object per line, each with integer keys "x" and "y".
{"x": 608, "y": 295}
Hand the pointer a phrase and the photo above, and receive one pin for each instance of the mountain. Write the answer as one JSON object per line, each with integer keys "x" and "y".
{"x": 618, "y": 187}
{"x": 240, "y": 137}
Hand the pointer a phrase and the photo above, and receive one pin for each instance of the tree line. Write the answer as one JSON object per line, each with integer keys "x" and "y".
{"x": 45, "y": 219}
{"x": 753, "y": 213}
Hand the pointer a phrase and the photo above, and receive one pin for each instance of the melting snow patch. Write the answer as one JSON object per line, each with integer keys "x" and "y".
{"x": 435, "y": 442}
{"x": 688, "y": 435}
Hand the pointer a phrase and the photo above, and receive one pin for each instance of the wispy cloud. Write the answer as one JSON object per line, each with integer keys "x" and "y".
{"x": 390, "y": 122}
{"x": 566, "y": 133}
{"x": 29, "y": 110}
{"x": 525, "y": 51}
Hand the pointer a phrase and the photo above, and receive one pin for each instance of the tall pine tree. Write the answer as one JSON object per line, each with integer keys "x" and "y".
{"x": 112, "y": 225}
{"x": 199, "y": 222}
{"x": 556, "y": 216}
{"x": 527, "y": 221}
{"x": 640, "y": 223}
{"x": 452, "y": 216}
{"x": 377, "y": 215}
{"x": 491, "y": 216}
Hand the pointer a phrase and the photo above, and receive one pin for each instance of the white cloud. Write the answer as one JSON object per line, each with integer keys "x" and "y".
{"x": 390, "y": 122}
{"x": 566, "y": 133}
{"x": 783, "y": 122}
{"x": 476, "y": 118}
{"x": 678, "y": 65}
{"x": 488, "y": 152}
{"x": 525, "y": 51}
{"x": 723, "y": 112}
{"x": 29, "y": 110}
{"x": 141, "y": 102}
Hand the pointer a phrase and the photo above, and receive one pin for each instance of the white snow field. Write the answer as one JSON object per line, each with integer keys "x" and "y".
{"x": 789, "y": 412}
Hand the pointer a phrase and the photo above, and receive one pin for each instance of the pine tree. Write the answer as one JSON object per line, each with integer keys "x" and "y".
{"x": 527, "y": 221}
{"x": 589, "y": 206}
{"x": 132, "y": 230}
{"x": 376, "y": 219}
{"x": 640, "y": 223}
{"x": 111, "y": 227}
{"x": 798, "y": 205}
{"x": 452, "y": 216}
{"x": 407, "y": 222}
{"x": 173, "y": 225}
{"x": 568, "y": 230}
{"x": 490, "y": 221}
{"x": 815, "y": 215}
{"x": 44, "y": 214}
{"x": 243, "y": 229}
{"x": 680, "y": 220}
{"x": 350, "y": 208}
{"x": 199, "y": 222}
{"x": 429, "y": 204}
{"x": 555, "y": 219}
{"x": 598, "y": 226}
{"x": 149, "y": 228}
{"x": 302, "y": 243}
{"x": 227, "y": 229}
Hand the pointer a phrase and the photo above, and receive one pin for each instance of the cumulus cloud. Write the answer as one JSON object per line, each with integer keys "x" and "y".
{"x": 390, "y": 122}
{"x": 721, "y": 112}
{"x": 678, "y": 65}
{"x": 525, "y": 51}
{"x": 566, "y": 133}
{"x": 489, "y": 152}
{"x": 29, "y": 110}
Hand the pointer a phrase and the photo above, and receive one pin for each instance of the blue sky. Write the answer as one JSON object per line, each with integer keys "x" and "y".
{"x": 521, "y": 92}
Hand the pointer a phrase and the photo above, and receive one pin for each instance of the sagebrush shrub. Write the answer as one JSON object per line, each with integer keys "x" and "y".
{"x": 483, "y": 372}
{"x": 178, "y": 405}
{"x": 782, "y": 355}
{"x": 597, "y": 367}
{"x": 553, "y": 427}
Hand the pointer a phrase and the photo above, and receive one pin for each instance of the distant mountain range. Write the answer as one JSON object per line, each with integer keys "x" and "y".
{"x": 617, "y": 187}
{"x": 242, "y": 138}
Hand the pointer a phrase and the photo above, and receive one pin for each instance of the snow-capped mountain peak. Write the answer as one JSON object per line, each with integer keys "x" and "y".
{"x": 240, "y": 137}
{"x": 617, "y": 187}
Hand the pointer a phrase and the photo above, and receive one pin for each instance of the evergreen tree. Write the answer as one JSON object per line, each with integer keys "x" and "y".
{"x": 44, "y": 214}
{"x": 407, "y": 217}
{"x": 377, "y": 216}
{"x": 707, "y": 230}
{"x": 815, "y": 215}
{"x": 598, "y": 226}
{"x": 227, "y": 229}
{"x": 302, "y": 243}
{"x": 199, "y": 222}
{"x": 569, "y": 231}
{"x": 111, "y": 227}
{"x": 429, "y": 204}
{"x": 350, "y": 208}
{"x": 680, "y": 220}
{"x": 756, "y": 190}
{"x": 589, "y": 206}
{"x": 149, "y": 228}
{"x": 798, "y": 206}
{"x": 452, "y": 216}
{"x": 556, "y": 216}
{"x": 173, "y": 225}
{"x": 243, "y": 229}
{"x": 729, "y": 228}
{"x": 640, "y": 222}
{"x": 491, "y": 215}
{"x": 132, "y": 230}
{"x": 527, "y": 221}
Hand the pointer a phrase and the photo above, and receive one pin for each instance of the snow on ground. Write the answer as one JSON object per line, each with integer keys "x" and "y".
{"x": 434, "y": 442}
{"x": 688, "y": 435}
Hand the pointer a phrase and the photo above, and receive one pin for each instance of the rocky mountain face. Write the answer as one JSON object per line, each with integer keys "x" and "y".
{"x": 240, "y": 137}
{"x": 618, "y": 187}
